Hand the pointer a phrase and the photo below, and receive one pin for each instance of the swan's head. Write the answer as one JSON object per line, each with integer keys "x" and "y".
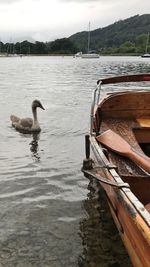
{"x": 37, "y": 104}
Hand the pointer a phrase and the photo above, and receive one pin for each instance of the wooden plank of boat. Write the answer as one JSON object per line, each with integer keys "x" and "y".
{"x": 116, "y": 143}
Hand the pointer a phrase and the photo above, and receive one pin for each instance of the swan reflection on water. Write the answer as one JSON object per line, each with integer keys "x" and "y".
{"x": 34, "y": 146}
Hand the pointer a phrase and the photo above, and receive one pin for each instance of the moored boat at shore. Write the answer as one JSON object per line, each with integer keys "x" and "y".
{"x": 120, "y": 140}
{"x": 90, "y": 55}
{"x": 146, "y": 54}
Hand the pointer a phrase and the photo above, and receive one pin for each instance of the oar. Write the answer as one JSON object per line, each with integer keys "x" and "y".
{"x": 117, "y": 144}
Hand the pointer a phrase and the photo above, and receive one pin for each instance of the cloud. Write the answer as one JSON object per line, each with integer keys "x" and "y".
{"x": 88, "y": 1}
{"x": 8, "y": 1}
{"x": 78, "y": 1}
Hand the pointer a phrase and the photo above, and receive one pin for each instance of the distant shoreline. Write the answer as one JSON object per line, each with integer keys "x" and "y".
{"x": 66, "y": 55}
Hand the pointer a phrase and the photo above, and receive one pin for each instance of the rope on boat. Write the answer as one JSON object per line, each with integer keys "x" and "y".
{"x": 104, "y": 180}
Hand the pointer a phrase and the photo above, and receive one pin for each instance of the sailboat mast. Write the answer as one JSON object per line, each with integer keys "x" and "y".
{"x": 88, "y": 50}
{"x": 147, "y": 43}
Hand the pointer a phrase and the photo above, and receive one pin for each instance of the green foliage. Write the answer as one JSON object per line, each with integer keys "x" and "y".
{"x": 133, "y": 30}
{"x": 62, "y": 46}
{"x": 24, "y": 47}
{"x": 127, "y": 47}
{"x": 40, "y": 48}
{"x": 59, "y": 46}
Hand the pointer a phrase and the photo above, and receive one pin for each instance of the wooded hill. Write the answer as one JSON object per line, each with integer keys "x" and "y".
{"x": 130, "y": 33}
{"x": 122, "y": 37}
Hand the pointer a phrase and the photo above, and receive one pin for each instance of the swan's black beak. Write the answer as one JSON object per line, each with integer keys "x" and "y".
{"x": 41, "y": 106}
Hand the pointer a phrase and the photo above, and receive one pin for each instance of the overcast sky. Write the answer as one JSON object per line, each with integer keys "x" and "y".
{"x": 46, "y": 20}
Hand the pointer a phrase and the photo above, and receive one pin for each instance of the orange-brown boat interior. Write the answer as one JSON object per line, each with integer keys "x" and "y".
{"x": 128, "y": 114}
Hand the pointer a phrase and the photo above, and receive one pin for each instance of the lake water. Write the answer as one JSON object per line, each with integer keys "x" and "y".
{"x": 49, "y": 212}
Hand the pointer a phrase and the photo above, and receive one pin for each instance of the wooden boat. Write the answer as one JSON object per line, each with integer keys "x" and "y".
{"x": 120, "y": 140}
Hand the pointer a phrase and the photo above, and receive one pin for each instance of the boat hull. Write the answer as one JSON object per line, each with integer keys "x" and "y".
{"x": 134, "y": 232}
{"x": 90, "y": 55}
{"x": 146, "y": 55}
{"x": 125, "y": 183}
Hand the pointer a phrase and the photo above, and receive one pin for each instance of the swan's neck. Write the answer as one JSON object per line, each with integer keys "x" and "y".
{"x": 34, "y": 111}
{"x": 35, "y": 126}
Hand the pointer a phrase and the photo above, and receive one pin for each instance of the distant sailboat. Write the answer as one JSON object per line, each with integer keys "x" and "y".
{"x": 89, "y": 54}
{"x": 146, "y": 48}
{"x": 78, "y": 54}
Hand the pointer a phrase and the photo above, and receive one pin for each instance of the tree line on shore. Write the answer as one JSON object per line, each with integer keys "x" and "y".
{"x": 59, "y": 46}
{"x": 65, "y": 46}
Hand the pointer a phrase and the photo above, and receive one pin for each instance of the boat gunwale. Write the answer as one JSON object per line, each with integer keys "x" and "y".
{"x": 125, "y": 79}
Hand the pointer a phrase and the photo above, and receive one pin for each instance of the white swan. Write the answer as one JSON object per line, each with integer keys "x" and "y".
{"x": 28, "y": 125}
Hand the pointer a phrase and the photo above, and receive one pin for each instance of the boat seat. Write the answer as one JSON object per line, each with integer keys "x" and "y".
{"x": 147, "y": 207}
{"x": 144, "y": 122}
{"x": 126, "y": 167}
